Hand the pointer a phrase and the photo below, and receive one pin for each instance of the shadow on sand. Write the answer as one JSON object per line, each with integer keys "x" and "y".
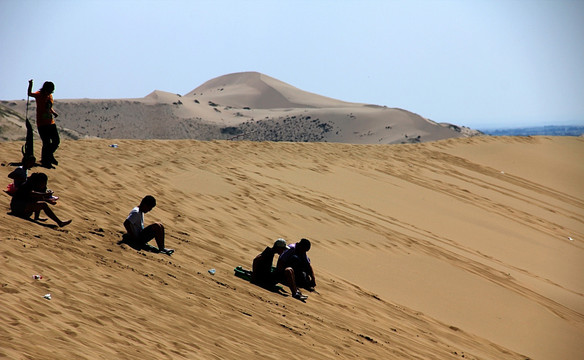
{"x": 145, "y": 247}
{"x": 39, "y": 222}
{"x": 245, "y": 274}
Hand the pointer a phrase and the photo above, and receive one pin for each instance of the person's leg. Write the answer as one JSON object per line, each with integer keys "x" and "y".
{"x": 46, "y": 153}
{"x": 37, "y": 216}
{"x": 159, "y": 235}
{"x": 37, "y": 207}
{"x": 155, "y": 231}
{"x": 54, "y": 143}
{"x": 290, "y": 281}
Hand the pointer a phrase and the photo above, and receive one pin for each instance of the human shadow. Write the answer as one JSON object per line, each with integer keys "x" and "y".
{"x": 146, "y": 247}
{"x": 38, "y": 222}
{"x": 245, "y": 274}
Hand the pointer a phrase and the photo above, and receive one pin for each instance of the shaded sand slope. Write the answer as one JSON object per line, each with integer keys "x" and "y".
{"x": 13, "y": 126}
{"x": 427, "y": 251}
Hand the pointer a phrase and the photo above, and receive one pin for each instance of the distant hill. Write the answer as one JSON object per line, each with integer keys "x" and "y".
{"x": 550, "y": 130}
{"x": 244, "y": 106}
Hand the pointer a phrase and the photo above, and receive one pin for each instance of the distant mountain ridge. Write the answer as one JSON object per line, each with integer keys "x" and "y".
{"x": 547, "y": 130}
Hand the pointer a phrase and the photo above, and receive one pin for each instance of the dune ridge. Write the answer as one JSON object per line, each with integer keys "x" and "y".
{"x": 432, "y": 251}
{"x": 260, "y": 91}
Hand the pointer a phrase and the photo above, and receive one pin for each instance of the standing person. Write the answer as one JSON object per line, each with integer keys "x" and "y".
{"x": 32, "y": 197}
{"x": 141, "y": 235}
{"x": 296, "y": 260}
{"x": 45, "y": 122}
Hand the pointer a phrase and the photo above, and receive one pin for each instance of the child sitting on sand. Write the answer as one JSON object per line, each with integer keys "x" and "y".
{"x": 20, "y": 174}
{"x": 32, "y": 197}
{"x": 141, "y": 235}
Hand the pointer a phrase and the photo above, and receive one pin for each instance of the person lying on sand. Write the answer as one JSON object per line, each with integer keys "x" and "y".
{"x": 141, "y": 235}
{"x": 295, "y": 261}
{"x": 32, "y": 197}
{"x": 263, "y": 275}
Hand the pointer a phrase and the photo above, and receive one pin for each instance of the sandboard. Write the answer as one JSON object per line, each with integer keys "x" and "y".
{"x": 240, "y": 272}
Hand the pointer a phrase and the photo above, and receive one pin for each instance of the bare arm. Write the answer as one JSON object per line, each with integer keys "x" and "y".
{"x": 312, "y": 275}
{"x": 39, "y": 195}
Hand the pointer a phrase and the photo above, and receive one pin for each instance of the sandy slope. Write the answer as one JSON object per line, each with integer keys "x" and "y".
{"x": 248, "y": 105}
{"x": 427, "y": 251}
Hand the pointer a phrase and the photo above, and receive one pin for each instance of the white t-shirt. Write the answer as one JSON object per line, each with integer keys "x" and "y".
{"x": 136, "y": 218}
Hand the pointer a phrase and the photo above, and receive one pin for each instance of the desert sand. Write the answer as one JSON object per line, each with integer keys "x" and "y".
{"x": 462, "y": 248}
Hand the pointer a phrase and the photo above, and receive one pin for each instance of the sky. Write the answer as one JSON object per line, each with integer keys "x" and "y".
{"x": 477, "y": 63}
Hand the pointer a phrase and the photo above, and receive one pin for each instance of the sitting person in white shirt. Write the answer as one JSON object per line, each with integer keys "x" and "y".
{"x": 141, "y": 235}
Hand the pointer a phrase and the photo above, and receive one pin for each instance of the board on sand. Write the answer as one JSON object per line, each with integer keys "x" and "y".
{"x": 240, "y": 272}
{"x": 245, "y": 274}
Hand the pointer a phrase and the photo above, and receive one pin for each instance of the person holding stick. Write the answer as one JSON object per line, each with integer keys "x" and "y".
{"x": 46, "y": 122}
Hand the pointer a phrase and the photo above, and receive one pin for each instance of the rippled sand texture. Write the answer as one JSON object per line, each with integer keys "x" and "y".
{"x": 462, "y": 247}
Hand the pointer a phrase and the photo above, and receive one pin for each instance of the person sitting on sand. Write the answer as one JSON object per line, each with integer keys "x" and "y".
{"x": 295, "y": 260}
{"x": 32, "y": 197}
{"x": 20, "y": 174}
{"x": 263, "y": 275}
{"x": 141, "y": 235}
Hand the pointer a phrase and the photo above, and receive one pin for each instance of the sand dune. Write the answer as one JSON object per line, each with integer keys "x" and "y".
{"x": 259, "y": 91}
{"x": 249, "y": 106}
{"x": 440, "y": 250}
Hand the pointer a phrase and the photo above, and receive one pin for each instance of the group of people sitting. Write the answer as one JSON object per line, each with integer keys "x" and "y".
{"x": 30, "y": 194}
{"x": 292, "y": 269}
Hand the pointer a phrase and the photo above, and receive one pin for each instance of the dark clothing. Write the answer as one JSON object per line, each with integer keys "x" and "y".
{"x": 300, "y": 263}
{"x": 262, "y": 268}
{"x": 265, "y": 260}
{"x": 301, "y": 269}
{"x": 146, "y": 235}
{"x": 294, "y": 259}
{"x": 50, "y": 137}
{"x": 21, "y": 198}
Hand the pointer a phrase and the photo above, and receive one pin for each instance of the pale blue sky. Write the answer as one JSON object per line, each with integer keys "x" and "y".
{"x": 478, "y": 63}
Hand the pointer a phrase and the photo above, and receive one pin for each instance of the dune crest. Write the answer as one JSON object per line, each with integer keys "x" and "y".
{"x": 259, "y": 91}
